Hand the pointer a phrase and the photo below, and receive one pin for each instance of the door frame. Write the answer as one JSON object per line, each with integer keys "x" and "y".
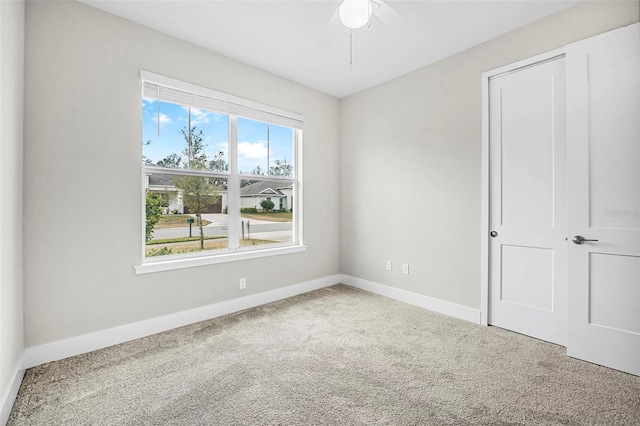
{"x": 485, "y": 199}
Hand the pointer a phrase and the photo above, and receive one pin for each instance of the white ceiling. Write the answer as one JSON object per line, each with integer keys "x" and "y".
{"x": 304, "y": 40}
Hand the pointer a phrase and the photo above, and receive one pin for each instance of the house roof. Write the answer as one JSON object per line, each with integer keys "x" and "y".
{"x": 160, "y": 180}
{"x": 264, "y": 187}
{"x": 166, "y": 182}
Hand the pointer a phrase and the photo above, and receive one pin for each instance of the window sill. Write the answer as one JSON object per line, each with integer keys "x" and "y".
{"x": 148, "y": 267}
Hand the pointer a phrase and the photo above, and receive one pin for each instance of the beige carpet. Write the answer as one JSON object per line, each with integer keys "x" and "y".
{"x": 337, "y": 356}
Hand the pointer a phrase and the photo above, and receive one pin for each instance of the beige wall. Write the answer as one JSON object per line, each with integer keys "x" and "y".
{"x": 82, "y": 157}
{"x": 411, "y": 160}
{"x": 404, "y": 169}
{"x": 11, "y": 102}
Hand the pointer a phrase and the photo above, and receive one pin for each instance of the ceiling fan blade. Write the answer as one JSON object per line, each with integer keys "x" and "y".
{"x": 389, "y": 15}
{"x": 330, "y": 32}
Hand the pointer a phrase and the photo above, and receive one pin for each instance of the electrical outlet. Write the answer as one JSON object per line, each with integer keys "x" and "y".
{"x": 243, "y": 283}
{"x": 405, "y": 268}
{"x": 389, "y": 266}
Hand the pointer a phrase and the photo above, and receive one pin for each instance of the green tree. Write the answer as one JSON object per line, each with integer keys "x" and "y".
{"x": 218, "y": 163}
{"x": 145, "y": 160}
{"x": 172, "y": 161}
{"x": 257, "y": 171}
{"x": 197, "y": 191}
{"x": 281, "y": 168}
{"x": 194, "y": 152}
{"x": 267, "y": 205}
{"x": 153, "y": 212}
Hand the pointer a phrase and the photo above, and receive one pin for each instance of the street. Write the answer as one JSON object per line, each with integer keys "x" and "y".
{"x": 278, "y": 231}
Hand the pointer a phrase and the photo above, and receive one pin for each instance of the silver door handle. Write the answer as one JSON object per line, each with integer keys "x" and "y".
{"x": 579, "y": 239}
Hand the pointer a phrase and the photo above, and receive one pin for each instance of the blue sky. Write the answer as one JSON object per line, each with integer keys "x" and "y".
{"x": 259, "y": 144}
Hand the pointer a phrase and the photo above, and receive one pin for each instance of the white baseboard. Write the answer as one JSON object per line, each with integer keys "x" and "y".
{"x": 54, "y": 351}
{"x": 61, "y": 349}
{"x": 437, "y": 305}
{"x": 6, "y": 404}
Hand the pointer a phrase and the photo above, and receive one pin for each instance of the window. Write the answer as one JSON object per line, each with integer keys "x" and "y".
{"x": 220, "y": 176}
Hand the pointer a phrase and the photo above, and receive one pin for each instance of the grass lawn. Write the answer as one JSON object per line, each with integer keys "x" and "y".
{"x": 271, "y": 217}
{"x": 215, "y": 243}
{"x": 182, "y": 240}
{"x": 177, "y": 221}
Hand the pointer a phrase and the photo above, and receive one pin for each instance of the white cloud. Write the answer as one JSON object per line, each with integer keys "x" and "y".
{"x": 198, "y": 116}
{"x": 255, "y": 150}
{"x": 164, "y": 119}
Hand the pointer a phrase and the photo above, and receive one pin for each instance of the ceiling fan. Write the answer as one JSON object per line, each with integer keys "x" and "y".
{"x": 355, "y": 14}
{"x": 358, "y": 14}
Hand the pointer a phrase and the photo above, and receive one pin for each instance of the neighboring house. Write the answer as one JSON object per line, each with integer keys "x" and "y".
{"x": 172, "y": 197}
{"x": 281, "y": 193}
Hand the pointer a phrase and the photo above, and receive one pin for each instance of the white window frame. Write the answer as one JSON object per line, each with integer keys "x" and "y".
{"x": 235, "y": 108}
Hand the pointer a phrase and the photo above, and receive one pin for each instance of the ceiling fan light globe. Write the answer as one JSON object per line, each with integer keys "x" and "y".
{"x": 355, "y": 14}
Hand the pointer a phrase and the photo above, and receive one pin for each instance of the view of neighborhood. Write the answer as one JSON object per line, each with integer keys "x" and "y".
{"x": 189, "y": 212}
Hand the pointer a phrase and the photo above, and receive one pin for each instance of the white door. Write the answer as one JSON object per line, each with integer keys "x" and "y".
{"x": 527, "y": 201}
{"x": 603, "y": 89}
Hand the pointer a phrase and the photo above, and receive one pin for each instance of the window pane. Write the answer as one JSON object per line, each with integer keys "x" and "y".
{"x": 167, "y": 142}
{"x": 264, "y": 149}
{"x": 185, "y": 214}
{"x": 280, "y": 151}
{"x": 266, "y": 212}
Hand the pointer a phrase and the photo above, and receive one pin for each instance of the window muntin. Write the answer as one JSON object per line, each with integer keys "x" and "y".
{"x": 207, "y": 163}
